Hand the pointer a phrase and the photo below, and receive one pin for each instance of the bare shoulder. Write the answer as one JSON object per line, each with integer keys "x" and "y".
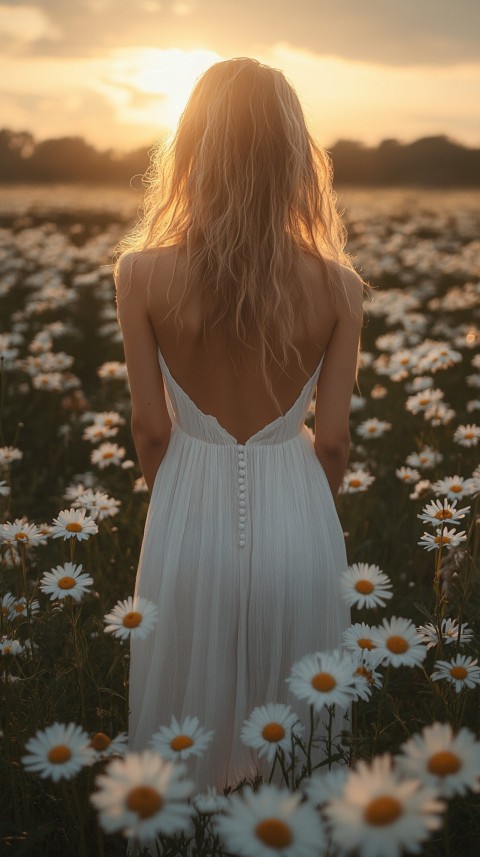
{"x": 138, "y": 268}
{"x": 344, "y": 285}
{"x": 350, "y": 291}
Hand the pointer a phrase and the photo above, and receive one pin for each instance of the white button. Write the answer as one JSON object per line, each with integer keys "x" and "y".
{"x": 241, "y": 526}
{"x": 242, "y": 504}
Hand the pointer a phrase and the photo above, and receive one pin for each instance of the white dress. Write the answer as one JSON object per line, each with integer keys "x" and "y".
{"x": 242, "y": 552}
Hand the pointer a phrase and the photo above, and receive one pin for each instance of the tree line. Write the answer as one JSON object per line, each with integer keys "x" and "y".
{"x": 435, "y": 161}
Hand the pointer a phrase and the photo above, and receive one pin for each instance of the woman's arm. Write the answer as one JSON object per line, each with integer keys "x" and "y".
{"x": 151, "y": 424}
{"x": 336, "y": 381}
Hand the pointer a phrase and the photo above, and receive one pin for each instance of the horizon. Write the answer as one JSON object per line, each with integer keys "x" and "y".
{"x": 389, "y": 71}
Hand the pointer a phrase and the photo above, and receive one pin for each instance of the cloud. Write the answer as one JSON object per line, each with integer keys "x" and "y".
{"x": 385, "y": 32}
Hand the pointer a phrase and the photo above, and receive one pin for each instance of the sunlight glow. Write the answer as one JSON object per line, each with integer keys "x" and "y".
{"x": 151, "y": 86}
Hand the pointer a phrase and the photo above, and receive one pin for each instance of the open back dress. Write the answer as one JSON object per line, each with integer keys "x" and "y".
{"x": 242, "y": 552}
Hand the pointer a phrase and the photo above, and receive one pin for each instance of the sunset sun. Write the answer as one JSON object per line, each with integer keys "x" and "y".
{"x": 151, "y": 86}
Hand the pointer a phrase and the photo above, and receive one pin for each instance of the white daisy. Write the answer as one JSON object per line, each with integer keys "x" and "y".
{"x": 467, "y": 435}
{"x": 439, "y": 414}
{"x": 112, "y": 370}
{"x": 142, "y": 795}
{"x": 425, "y": 459}
{"x": 73, "y": 523}
{"x": 453, "y": 487}
{"x": 271, "y": 820}
{"x": 365, "y": 585}
{"x": 133, "y": 617}
{"x": 357, "y": 403}
{"x": 210, "y": 802}
{"x": 4, "y": 488}
{"x": 365, "y": 673}
{"x": 359, "y": 638}
{"x": 443, "y": 538}
{"x": 423, "y": 400}
{"x": 181, "y": 740}
{"x": 20, "y": 532}
{"x": 107, "y": 454}
{"x": 421, "y": 490}
{"x": 108, "y": 418}
{"x": 140, "y": 486}
{"x": 462, "y": 671}
{"x": 9, "y": 454}
{"x": 322, "y": 787}
{"x": 59, "y": 751}
{"x": 439, "y": 758}
{"x": 407, "y": 475}
{"x": 324, "y": 678}
{"x": 19, "y": 608}
{"x": 99, "y": 505}
{"x": 373, "y": 428}
{"x": 397, "y": 639}
{"x": 438, "y": 511}
{"x": 450, "y": 633}
{"x": 380, "y": 813}
{"x": 104, "y": 746}
{"x": 66, "y": 580}
{"x": 356, "y": 480}
{"x": 10, "y": 647}
{"x": 97, "y": 432}
{"x": 6, "y": 603}
{"x": 270, "y": 728}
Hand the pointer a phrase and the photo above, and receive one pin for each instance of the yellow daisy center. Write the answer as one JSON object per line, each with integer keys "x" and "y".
{"x": 107, "y": 455}
{"x": 442, "y": 540}
{"x": 181, "y": 742}
{"x": 468, "y": 434}
{"x": 74, "y": 527}
{"x": 456, "y": 488}
{"x": 383, "y": 810}
{"x": 18, "y": 608}
{"x": 365, "y": 643}
{"x": 7, "y": 650}
{"x": 398, "y": 645}
{"x": 323, "y": 682}
{"x": 424, "y": 400}
{"x": 100, "y": 741}
{"x": 444, "y": 763}
{"x": 67, "y": 582}
{"x": 273, "y": 732}
{"x": 365, "y": 587}
{"x": 459, "y": 672}
{"x": 361, "y": 670}
{"x": 20, "y": 537}
{"x": 59, "y": 754}
{"x": 274, "y": 833}
{"x": 443, "y": 513}
{"x": 355, "y": 483}
{"x": 132, "y": 619}
{"x": 144, "y": 800}
{"x": 372, "y": 429}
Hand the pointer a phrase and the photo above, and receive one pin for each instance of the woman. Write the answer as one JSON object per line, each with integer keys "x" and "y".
{"x": 239, "y": 301}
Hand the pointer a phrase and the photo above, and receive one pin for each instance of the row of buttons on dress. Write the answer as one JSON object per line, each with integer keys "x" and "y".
{"x": 242, "y": 493}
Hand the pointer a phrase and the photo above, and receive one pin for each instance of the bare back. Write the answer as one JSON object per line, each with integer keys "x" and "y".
{"x": 229, "y": 387}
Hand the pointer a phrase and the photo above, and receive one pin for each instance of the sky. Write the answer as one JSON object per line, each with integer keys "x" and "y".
{"x": 118, "y": 72}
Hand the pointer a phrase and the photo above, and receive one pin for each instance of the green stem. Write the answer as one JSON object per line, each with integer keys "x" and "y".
{"x": 27, "y": 603}
{"x": 310, "y": 739}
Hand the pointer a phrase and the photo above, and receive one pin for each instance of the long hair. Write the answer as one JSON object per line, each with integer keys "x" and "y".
{"x": 243, "y": 188}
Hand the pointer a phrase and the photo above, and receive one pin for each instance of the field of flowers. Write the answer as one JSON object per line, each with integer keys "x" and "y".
{"x": 404, "y": 774}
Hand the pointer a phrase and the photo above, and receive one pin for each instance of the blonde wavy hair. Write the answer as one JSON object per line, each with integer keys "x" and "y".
{"x": 244, "y": 188}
